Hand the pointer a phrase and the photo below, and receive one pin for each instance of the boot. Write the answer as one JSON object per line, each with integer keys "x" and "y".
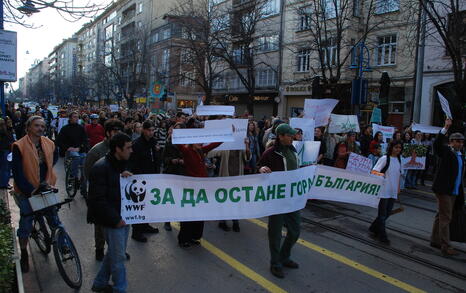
{"x": 24, "y": 261}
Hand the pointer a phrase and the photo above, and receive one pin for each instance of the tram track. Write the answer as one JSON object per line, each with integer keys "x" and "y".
{"x": 388, "y": 249}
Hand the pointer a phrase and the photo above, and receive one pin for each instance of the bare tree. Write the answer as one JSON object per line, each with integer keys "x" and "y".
{"x": 70, "y": 10}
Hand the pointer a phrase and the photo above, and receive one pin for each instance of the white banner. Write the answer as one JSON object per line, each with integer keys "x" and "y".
{"x": 187, "y": 111}
{"x": 343, "y": 186}
{"x": 306, "y": 125}
{"x": 308, "y": 151}
{"x": 202, "y": 135}
{"x": 426, "y": 128}
{"x": 164, "y": 198}
{"x": 413, "y": 163}
{"x": 209, "y": 110}
{"x": 8, "y": 41}
{"x": 343, "y": 123}
{"x": 319, "y": 110}
{"x": 387, "y": 131}
{"x": 239, "y": 134}
{"x": 114, "y": 108}
{"x": 445, "y": 105}
{"x": 358, "y": 163}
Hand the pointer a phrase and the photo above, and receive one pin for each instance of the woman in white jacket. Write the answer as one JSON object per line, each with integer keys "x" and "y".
{"x": 390, "y": 166}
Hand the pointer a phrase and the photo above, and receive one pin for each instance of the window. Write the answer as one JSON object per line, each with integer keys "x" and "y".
{"x": 187, "y": 79}
{"x": 304, "y": 21}
{"x": 109, "y": 32}
{"x": 386, "y": 6}
{"x": 220, "y": 23}
{"x": 330, "y": 52}
{"x": 304, "y": 57}
{"x": 270, "y": 7}
{"x": 140, "y": 7}
{"x": 185, "y": 56}
{"x": 139, "y": 24}
{"x": 267, "y": 43}
{"x": 386, "y": 50}
{"x": 357, "y": 8}
{"x": 108, "y": 60}
{"x": 266, "y": 78}
{"x": 219, "y": 83}
{"x": 165, "y": 34}
{"x": 330, "y": 8}
{"x": 165, "y": 60}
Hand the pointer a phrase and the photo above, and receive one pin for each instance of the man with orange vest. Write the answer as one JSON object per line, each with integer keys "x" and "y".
{"x": 33, "y": 158}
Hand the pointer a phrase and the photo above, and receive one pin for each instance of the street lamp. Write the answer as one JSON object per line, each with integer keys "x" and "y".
{"x": 28, "y": 8}
{"x": 362, "y": 52}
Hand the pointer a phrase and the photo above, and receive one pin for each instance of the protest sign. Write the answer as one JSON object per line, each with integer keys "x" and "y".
{"x": 202, "y": 135}
{"x": 413, "y": 157}
{"x": 445, "y": 105}
{"x": 209, "y": 110}
{"x": 62, "y": 122}
{"x": 340, "y": 185}
{"x": 306, "y": 125}
{"x": 164, "y": 198}
{"x": 376, "y": 115}
{"x": 308, "y": 151}
{"x": 239, "y": 133}
{"x": 426, "y": 128}
{"x": 187, "y": 111}
{"x": 319, "y": 110}
{"x": 114, "y": 108}
{"x": 53, "y": 109}
{"x": 358, "y": 163}
{"x": 387, "y": 131}
{"x": 343, "y": 123}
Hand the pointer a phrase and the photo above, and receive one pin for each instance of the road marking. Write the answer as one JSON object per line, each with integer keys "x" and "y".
{"x": 350, "y": 263}
{"x": 246, "y": 271}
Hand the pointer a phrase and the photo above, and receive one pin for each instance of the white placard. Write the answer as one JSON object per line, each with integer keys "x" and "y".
{"x": 54, "y": 110}
{"x": 239, "y": 134}
{"x": 445, "y": 105}
{"x": 358, "y": 163}
{"x": 114, "y": 108}
{"x": 210, "y": 110}
{"x": 187, "y": 111}
{"x": 8, "y": 43}
{"x": 307, "y": 151}
{"x": 62, "y": 122}
{"x": 343, "y": 123}
{"x": 319, "y": 110}
{"x": 387, "y": 131}
{"x": 306, "y": 125}
{"x": 426, "y": 128}
{"x": 202, "y": 135}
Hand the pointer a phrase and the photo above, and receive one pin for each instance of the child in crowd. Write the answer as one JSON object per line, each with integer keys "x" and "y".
{"x": 375, "y": 154}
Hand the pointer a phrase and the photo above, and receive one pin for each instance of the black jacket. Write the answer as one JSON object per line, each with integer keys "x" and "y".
{"x": 447, "y": 171}
{"x": 171, "y": 152}
{"x": 104, "y": 199}
{"x": 73, "y": 135}
{"x": 145, "y": 159}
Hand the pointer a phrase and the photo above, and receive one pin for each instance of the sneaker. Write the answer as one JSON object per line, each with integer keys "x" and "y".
{"x": 184, "y": 244}
{"x": 105, "y": 289}
{"x": 277, "y": 272}
{"x": 139, "y": 237}
{"x": 99, "y": 254}
{"x": 195, "y": 242}
{"x": 24, "y": 261}
{"x": 449, "y": 251}
{"x": 291, "y": 264}
{"x": 149, "y": 229}
{"x": 435, "y": 245}
{"x": 384, "y": 240}
{"x": 224, "y": 226}
{"x": 167, "y": 226}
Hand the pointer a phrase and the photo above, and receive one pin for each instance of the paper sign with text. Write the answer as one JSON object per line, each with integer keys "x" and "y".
{"x": 239, "y": 134}
{"x": 210, "y": 110}
{"x": 343, "y": 123}
{"x": 387, "y": 131}
{"x": 319, "y": 110}
{"x": 202, "y": 135}
{"x": 306, "y": 125}
{"x": 307, "y": 151}
{"x": 445, "y": 105}
{"x": 426, "y": 128}
{"x": 358, "y": 163}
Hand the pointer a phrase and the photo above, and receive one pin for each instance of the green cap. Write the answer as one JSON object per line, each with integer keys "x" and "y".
{"x": 284, "y": 129}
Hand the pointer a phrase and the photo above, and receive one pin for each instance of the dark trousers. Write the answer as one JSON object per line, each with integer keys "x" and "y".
{"x": 4, "y": 169}
{"x": 279, "y": 252}
{"x": 99, "y": 237}
{"x": 441, "y": 227}
{"x": 190, "y": 231}
{"x": 385, "y": 208}
{"x": 139, "y": 228}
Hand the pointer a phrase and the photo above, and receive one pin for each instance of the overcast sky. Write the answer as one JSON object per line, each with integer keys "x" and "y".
{"x": 40, "y": 42}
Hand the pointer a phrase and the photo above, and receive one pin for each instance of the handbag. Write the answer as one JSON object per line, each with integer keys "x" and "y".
{"x": 458, "y": 225}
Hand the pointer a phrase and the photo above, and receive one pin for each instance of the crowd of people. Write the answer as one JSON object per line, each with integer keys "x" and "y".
{"x": 109, "y": 144}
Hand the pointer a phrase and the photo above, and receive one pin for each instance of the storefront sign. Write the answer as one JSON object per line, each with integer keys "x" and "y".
{"x": 8, "y": 60}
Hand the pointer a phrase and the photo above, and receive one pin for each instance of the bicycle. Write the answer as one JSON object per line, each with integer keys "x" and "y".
{"x": 64, "y": 251}
{"x": 72, "y": 184}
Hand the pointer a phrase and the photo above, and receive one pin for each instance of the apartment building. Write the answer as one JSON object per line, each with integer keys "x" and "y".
{"x": 325, "y": 48}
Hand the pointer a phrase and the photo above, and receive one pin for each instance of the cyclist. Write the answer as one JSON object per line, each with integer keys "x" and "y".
{"x": 73, "y": 140}
{"x": 33, "y": 158}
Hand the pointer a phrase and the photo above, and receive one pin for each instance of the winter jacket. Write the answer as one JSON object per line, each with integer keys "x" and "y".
{"x": 95, "y": 133}
{"x": 274, "y": 159}
{"x": 171, "y": 152}
{"x": 73, "y": 135}
{"x": 194, "y": 160}
{"x": 96, "y": 153}
{"x": 145, "y": 159}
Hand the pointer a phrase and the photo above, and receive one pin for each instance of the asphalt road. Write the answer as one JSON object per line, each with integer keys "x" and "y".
{"x": 239, "y": 262}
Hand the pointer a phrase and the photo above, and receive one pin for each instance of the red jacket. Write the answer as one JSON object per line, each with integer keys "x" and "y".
{"x": 95, "y": 133}
{"x": 194, "y": 160}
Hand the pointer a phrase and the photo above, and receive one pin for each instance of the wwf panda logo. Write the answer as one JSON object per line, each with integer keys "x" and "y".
{"x": 136, "y": 190}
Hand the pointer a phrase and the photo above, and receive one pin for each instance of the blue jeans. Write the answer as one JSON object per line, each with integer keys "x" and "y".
{"x": 114, "y": 260}
{"x": 77, "y": 159}
{"x": 411, "y": 177}
{"x": 385, "y": 208}
{"x": 25, "y": 219}
{"x": 4, "y": 168}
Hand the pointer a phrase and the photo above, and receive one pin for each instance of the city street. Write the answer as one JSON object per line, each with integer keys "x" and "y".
{"x": 238, "y": 262}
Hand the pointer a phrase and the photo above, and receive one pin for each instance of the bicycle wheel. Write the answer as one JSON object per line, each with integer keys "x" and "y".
{"x": 70, "y": 183}
{"x": 67, "y": 259}
{"x": 41, "y": 235}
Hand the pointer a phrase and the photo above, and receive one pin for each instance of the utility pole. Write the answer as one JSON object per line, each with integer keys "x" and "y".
{"x": 2, "y": 84}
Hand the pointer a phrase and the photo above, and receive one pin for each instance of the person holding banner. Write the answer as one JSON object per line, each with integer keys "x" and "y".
{"x": 281, "y": 157}
{"x": 448, "y": 187}
{"x": 193, "y": 158}
{"x": 388, "y": 166}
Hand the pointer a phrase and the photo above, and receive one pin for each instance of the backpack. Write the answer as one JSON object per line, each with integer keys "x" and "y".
{"x": 385, "y": 168}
